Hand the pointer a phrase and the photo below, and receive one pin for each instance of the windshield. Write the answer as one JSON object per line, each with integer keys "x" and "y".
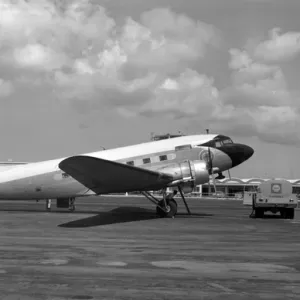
{"x": 227, "y": 141}
{"x": 218, "y": 142}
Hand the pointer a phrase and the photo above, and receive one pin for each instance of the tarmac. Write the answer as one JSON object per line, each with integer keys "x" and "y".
{"x": 116, "y": 248}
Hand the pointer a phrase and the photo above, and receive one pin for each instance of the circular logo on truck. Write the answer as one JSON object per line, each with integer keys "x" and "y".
{"x": 276, "y": 188}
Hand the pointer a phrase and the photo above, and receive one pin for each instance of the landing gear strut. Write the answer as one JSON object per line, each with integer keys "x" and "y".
{"x": 167, "y": 207}
{"x": 48, "y": 204}
{"x": 184, "y": 201}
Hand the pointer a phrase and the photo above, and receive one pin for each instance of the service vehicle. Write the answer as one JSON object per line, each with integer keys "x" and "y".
{"x": 275, "y": 195}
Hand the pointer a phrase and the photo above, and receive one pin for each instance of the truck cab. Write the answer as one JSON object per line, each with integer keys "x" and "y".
{"x": 274, "y": 195}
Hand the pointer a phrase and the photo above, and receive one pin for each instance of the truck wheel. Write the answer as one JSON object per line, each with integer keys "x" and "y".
{"x": 287, "y": 213}
{"x": 291, "y": 213}
{"x": 259, "y": 213}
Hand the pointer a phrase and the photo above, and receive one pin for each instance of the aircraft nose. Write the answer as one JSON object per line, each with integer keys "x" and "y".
{"x": 238, "y": 153}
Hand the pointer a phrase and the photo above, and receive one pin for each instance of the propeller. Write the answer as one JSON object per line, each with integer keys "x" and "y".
{"x": 210, "y": 169}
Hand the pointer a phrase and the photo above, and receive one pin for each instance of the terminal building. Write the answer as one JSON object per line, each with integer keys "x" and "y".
{"x": 236, "y": 187}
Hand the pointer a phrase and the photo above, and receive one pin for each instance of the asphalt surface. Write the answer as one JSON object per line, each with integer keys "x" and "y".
{"x": 116, "y": 248}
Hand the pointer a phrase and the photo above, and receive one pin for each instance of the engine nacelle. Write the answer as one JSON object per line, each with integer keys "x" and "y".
{"x": 185, "y": 172}
{"x": 187, "y": 187}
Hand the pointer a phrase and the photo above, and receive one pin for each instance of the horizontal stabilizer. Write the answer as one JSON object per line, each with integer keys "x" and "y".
{"x": 105, "y": 176}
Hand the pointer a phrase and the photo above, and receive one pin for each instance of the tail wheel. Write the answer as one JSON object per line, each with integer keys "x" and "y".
{"x": 171, "y": 209}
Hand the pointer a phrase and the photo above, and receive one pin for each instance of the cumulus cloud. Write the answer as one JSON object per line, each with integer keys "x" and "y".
{"x": 6, "y": 88}
{"x": 183, "y": 96}
{"x": 279, "y": 47}
{"x": 83, "y": 29}
{"x": 89, "y": 57}
{"x": 43, "y": 32}
{"x": 255, "y": 84}
{"x": 259, "y": 101}
{"x": 145, "y": 66}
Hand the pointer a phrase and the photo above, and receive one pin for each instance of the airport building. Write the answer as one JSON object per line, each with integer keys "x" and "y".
{"x": 235, "y": 187}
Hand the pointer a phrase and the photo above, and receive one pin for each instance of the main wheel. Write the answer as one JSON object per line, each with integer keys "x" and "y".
{"x": 171, "y": 209}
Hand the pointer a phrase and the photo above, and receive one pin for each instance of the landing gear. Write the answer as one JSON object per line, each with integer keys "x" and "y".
{"x": 66, "y": 203}
{"x": 72, "y": 206}
{"x": 48, "y": 204}
{"x": 170, "y": 209}
{"x": 167, "y": 207}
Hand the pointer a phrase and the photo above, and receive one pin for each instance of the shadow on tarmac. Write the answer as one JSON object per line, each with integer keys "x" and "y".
{"x": 122, "y": 215}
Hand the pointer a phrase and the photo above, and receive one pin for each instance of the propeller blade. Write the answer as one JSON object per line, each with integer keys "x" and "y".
{"x": 210, "y": 164}
{"x": 229, "y": 174}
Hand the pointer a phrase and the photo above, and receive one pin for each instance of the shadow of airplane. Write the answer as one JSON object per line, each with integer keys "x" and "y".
{"x": 121, "y": 215}
{"x": 54, "y": 211}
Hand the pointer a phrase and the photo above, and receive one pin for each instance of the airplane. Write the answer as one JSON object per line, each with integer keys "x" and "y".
{"x": 176, "y": 163}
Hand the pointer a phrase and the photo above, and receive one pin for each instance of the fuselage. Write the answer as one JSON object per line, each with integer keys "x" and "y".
{"x": 45, "y": 180}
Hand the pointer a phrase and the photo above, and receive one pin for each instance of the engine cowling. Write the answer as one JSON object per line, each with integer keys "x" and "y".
{"x": 187, "y": 173}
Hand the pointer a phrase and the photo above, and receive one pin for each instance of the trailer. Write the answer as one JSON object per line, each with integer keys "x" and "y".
{"x": 274, "y": 195}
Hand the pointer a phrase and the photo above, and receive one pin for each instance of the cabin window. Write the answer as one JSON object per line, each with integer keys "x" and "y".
{"x": 154, "y": 159}
{"x": 146, "y": 160}
{"x": 171, "y": 156}
{"x": 183, "y": 147}
{"x": 218, "y": 144}
{"x": 163, "y": 157}
{"x": 130, "y": 163}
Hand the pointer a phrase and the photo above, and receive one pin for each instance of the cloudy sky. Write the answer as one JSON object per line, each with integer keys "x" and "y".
{"x": 78, "y": 75}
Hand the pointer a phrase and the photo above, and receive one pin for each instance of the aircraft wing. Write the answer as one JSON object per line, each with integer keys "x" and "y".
{"x": 104, "y": 176}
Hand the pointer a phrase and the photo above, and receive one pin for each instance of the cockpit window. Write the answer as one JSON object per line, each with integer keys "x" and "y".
{"x": 217, "y": 142}
{"x": 227, "y": 141}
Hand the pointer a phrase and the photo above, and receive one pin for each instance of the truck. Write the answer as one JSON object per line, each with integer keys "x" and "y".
{"x": 274, "y": 195}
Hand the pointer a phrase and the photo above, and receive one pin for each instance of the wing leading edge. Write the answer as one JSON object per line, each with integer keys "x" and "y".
{"x": 104, "y": 176}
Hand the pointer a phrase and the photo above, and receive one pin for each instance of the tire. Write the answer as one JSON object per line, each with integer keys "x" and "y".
{"x": 172, "y": 209}
{"x": 259, "y": 213}
{"x": 290, "y": 213}
{"x": 285, "y": 213}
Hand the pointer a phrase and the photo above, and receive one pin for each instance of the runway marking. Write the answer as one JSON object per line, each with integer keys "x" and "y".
{"x": 54, "y": 261}
{"x": 112, "y": 264}
{"x": 222, "y": 267}
{"x": 221, "y": 287}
